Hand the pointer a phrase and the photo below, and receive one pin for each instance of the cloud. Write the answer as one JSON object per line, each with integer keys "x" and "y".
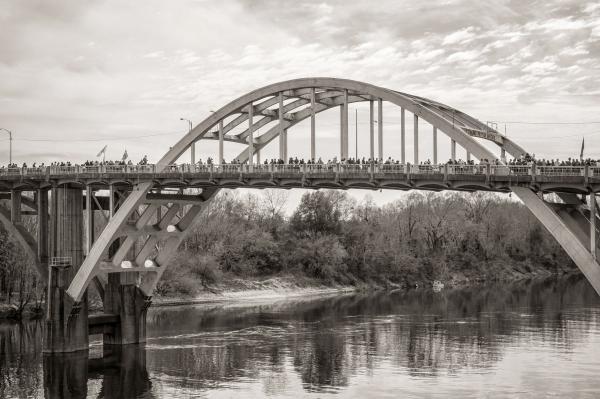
{"x": 87, "y": 70}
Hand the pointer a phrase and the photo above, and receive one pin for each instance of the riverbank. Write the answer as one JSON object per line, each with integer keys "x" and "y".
{"x": 267, "y": 289}
{"x": 256, "y": 290}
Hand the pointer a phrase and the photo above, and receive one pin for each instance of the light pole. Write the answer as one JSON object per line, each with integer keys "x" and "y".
{"x": 193, "y": 146}
{"x": 9, "y": 144}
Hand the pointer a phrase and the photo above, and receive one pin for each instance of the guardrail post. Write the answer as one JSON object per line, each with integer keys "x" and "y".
{"x": 532, "y": 172}
{"x": 488, "y": 170}
{"x": 586, "y": 174}
{"x": 445, "y": 172}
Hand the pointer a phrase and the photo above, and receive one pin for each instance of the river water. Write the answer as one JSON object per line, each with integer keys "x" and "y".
{"x": 531, "y": 339}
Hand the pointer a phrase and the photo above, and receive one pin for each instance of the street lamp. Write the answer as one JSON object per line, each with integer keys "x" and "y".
{"x": 10, "y": 144}
{"x": 193, "y": 147}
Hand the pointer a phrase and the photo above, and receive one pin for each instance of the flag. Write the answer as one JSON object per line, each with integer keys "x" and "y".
{"x": 102, "y": 151}
{"x": 582, "y": 145}
{"x": 125, "y": 155}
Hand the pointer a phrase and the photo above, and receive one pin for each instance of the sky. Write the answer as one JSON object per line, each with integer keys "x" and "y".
{"x": 77, "y": 75}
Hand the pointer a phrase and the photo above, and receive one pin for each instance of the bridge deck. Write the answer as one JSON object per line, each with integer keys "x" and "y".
{"x": 500, "y": 178}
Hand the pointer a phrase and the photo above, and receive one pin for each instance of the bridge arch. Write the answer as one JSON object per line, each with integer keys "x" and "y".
{"x": 320, "y": 94}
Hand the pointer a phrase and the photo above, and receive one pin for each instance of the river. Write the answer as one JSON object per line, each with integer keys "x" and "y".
{"x": 529, "y": 339}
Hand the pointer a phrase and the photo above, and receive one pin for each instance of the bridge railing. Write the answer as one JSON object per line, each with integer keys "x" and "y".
{"x": 391, "y": 168}
{"x": 594, "y": 171}
{"x": 560, "y": 170}
{"x": 467, "y": 169}
{"x": 425, "y": 169}
{"x": 366, "y": 169}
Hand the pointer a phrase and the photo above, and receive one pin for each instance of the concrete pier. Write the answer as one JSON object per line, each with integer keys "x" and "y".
{"x": 126, "y": 301}
{"x": 66, "y": 321}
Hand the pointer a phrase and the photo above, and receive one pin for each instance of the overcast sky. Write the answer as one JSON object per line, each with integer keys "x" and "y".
{"x": 113, "y": 71}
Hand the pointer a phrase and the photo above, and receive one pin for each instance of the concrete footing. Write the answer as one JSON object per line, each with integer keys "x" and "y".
{"x": 66, "y": 321}
{"x": 123, "y": 298}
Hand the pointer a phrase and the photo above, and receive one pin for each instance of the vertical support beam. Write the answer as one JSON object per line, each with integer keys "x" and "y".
{"x": 193, "y": 153}
{"x": 416, "y": 139}
{"x": 111, "y": 200}
{"x": 344, "y": 127}
{"x": 15, "y": 206}
{"x": 258, "y": 157}
{"x": 285, "y": 146}
{"x": 502, "y": 154}
{"x": 251, "y": 134}
{"x": 592, "y": 204}
{"x": 435, "y": 146}
{"x": 42, "y": 233}
{"x": 380, "y": 128}
{"x": 468, "y": 156}
{"x": 453, "y": 149}
{"x": 402, "y": 137}
{"x": 89, "y": 213}
{"x": 372, "y": 129}
{"x": 221, "y": 161}
{"x": 282, "y": 132}
{"x": 53, "y": 220}
{"x": 312, "y": 124}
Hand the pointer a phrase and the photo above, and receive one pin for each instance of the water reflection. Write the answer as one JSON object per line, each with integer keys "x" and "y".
{"x": 122, "y": 372}
{"x": 464, "y": 342}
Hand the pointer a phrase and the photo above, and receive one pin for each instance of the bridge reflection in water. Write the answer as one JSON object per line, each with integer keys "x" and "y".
{"x": 415, "y": 340}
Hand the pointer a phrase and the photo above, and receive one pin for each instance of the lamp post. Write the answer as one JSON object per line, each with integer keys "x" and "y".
{"x": 193, "y": 146}
{"x": 9, "y": 144}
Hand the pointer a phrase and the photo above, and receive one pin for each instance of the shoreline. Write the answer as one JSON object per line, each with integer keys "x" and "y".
{"x": 269, "y": 290}
{"x": 276, "y": 289}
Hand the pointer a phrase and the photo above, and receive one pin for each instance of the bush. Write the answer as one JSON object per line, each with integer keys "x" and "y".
{"x": 253, "y": 252}
{"x": 189, "y": 272}
{"x": 322, "y": 257}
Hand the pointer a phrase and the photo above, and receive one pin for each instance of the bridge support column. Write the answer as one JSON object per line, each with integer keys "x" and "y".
{"x": 380, "y": 128}
{"x": 250, "y": 134}
{"x": 416, "y": 139}
{"x": 435, "y": 146}
{"x": 312, "y": 124}
{"x": 66, "y": 321}
{"x": 344, "y": 127}
{"x": 193, "y": 153}
{"x": 371, "y": 130}
{"x": 402, "y": 137}
{"x": 453, "y": 149}
{"x": 282, "y": 132}
{"x": 15, "y": 206}
{"x": 42, "y": 233}
{"x": 123, "y": 298}
{"x": 221, "y": 162}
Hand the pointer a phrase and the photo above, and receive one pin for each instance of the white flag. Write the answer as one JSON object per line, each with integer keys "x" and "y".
{"x": 102, "y": 151}
{"x": 125, "y": 155}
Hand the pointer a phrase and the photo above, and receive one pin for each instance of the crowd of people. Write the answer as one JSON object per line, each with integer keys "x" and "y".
{"x": 525, "y": 160}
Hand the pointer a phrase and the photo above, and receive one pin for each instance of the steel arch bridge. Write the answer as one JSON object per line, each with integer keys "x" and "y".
{"x": 137, "y": 212}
